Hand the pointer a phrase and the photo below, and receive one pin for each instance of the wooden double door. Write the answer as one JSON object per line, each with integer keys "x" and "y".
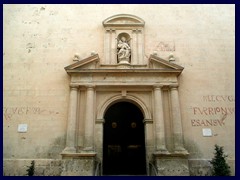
{"x": 124, "y": 140}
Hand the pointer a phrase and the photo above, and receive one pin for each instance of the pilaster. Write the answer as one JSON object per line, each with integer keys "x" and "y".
{"x": 72, "y": 118}
{"x": 177, "y": 122}
{"x": 113, "y": 53}
{"x": 89, "y": 121}
{"x": 140, "y": 46}
{"x": 134, "y": 54}
{"x": 159, "y": 121}
{"x": 107, "y": 47}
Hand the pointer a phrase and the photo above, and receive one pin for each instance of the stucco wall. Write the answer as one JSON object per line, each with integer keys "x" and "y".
{"x": 40, "y": 40}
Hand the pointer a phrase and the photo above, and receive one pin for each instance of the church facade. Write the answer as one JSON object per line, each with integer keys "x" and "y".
{"x": 140, "y": 102}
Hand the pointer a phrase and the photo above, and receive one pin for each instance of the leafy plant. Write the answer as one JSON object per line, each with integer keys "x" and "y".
{"x": 31, "y": 169}
{"x": 220, "y": 166}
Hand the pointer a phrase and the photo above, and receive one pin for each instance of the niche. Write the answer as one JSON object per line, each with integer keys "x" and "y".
{"x": 124, "y": 48}
{"x": 123, "y": 40}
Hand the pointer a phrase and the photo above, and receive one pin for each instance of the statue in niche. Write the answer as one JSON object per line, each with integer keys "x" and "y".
{"x": 124, "y": 50}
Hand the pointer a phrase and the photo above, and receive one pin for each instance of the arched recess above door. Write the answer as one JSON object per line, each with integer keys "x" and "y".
{"x": 127, "y": 98}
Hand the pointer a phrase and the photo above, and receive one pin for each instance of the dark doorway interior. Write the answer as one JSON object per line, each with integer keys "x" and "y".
{"x": 123, "y": 140}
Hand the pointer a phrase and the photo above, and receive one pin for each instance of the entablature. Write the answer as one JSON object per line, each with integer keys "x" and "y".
{"x": 89, "y": 71}
{"x": 126, "y": 86}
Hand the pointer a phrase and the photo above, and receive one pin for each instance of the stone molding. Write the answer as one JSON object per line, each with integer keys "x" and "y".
{"x": 123, "y": 20}
{"x": 157, "y": 86}
{"x": 131, "y": 98}
{"x": 148, "y": 121}
{"x": 77, "y": 155}
{"x": 173, "y": 86}
{"x": 100, "y": 121}
{"x": 90, "y": 86}
{"x": 171, "y": 154}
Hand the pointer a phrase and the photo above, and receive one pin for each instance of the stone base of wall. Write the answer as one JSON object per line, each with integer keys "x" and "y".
{"x": 166, "y": 166}
{"x": 171, "y": 164}
{"x": 200, "y": 167}
{"x": 50, "y": 167}
{"x": 78, "y": 167}
{"x": 43, "y": 167}
{"x": 78, "y": 164}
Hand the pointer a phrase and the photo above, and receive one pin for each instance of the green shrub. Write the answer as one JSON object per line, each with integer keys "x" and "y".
{"x": 31, "y": 169}
{"x": 220, "y": 166}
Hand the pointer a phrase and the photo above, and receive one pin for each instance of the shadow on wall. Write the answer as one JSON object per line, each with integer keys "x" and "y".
{"x": 197, "y": 165}
{"x": 56, "y": 147}
{"x": 48, "y": 161}
{"x": 53, "y": 150}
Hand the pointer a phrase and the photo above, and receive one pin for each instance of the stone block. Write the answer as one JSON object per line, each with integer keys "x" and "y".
{"x": 172, "y": 165}
{"x": 78, "y": 167}
{"x": 199, "y": 167}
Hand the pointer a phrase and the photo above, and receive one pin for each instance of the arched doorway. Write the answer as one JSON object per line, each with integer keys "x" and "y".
{"x": 124, "y": 140}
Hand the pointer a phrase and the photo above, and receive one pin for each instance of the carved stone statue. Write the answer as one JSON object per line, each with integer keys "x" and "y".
{"x": 124, "y": 50}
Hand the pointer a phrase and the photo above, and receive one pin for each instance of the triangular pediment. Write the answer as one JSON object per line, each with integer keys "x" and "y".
{"x": 87, "y": 63}
{"x": 159, "y": 63}
{"x": 123, "y": 20}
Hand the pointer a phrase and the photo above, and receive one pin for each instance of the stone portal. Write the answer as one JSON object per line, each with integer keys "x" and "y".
{"x": 124, "y": 110}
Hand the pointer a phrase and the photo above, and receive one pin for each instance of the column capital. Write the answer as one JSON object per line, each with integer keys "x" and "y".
{"x": 90, "y": 86}
{"x": 134, "y": 30}
{"x": 157, "y": 86}
{"x": 100, "y": 121}
{"x": 73, "y": 86}
{"x": 112, "y": 30}
{"x": 173, "y": 86}
{"x": 147, "y": 121}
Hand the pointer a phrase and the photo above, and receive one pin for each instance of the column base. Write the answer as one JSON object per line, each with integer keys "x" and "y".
{"x": 87, "y": 149}
{"x": 161, "y": 149}
{"x": 69, "y": 150}
{"x": 78, "y": 164}
{"x": 77, "y": 155}
{"x": 171, "y": 164}
{"x": 181, "y": 150}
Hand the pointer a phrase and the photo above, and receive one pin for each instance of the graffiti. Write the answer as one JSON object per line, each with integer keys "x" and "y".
{"x": 207, "y": 122}
{"x": 209, "y": 115}
{"x": 218, "y": 98}
{"x": 9, "y": 112}
{"x": 166, "y": 46}
{"x": 213, "y": 110}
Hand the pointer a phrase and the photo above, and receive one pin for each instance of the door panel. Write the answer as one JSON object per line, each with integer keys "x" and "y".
{"x": 124, "y": 141}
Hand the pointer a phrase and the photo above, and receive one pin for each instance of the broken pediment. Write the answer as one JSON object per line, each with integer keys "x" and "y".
{"x": 87, "y": 63}
{"x": 123, "y": 20}
{"x": 156, "y": 62}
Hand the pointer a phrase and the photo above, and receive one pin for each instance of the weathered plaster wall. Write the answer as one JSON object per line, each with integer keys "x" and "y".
{"x": 43, "y": 167}
{"x": 40, "y": 40}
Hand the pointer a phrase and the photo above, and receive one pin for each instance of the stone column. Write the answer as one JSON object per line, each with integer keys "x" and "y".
{"x": 72, "y": 118}
{"x": 89, "y": 121}
{"x": 159, "y": 121}
{"x": 177, "y": 122}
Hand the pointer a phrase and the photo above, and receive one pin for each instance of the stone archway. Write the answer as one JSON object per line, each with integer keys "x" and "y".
{"x": 128, "y": 98}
